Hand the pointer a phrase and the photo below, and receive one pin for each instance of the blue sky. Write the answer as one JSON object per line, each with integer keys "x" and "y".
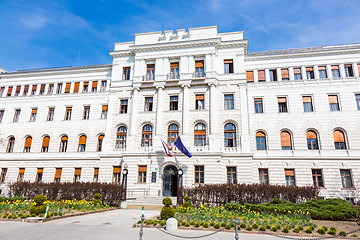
{"x": 41, "y": 34}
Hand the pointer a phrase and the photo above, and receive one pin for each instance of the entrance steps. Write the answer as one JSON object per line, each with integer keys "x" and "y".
{"x": 148, "y": 202}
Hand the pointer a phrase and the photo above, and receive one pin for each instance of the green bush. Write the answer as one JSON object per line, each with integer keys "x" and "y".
{"x": 274, "y": 229}
{"x": 96, "y": 202}
{"x": 309, "y": 230}
{"x": 262, "y": 228}
{"x": 197, "y": 225}
{"x": 332, "y": 232}
{"x": 205, "y": 225}
{"x": 267, "y": 226}
{"x": 212, "y": 223}
{"x": 223, "y": 224}
{"x": 342, "y": 233}
{"x": 255, "y": 226}
{"x": 228, "y": 227}
{"x": 325, "y": 228}
{"x": 354, "y": 235}
{"x": 186, "y": 198}
{"x": 249, "y": 228}
{"x": 187, "y": 225}
{"x": 167, "y": 201}
{"x": 167, "y": 212}
{"x": 40, "y": 199}
{"x": 97, "y": 196}
{"x": 187, "y": 204}
{"x": 321, "y": 231}
{"x": 183, "y": 223}
{"x": 217, "y": 226}
{"x": 192, "y": 223}
{"x": 300, "y": 227}
{"x": 278, "y": 226}
{"x": 285, "y": 230}
{"x": 243, "y": 225}
{"x": 296, "y": 230}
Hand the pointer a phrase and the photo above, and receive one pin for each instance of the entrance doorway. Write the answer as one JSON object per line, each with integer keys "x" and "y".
{"x": 170, "y": 181}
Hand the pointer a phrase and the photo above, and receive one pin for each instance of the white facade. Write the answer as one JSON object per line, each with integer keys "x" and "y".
{"x": 213, "y": 72}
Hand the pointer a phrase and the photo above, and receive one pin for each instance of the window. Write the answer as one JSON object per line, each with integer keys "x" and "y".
{"x": 94, "y": 86}
{"x": 285, "y": 74}
{"x": 317, "y": 178}
{"x": 263, "y": 176}
{"x": 199, "y": 69}
{"x": 59, "y": 88}
{"x": 173, "y": 132}
{"x": 285, "y": 140}
{"x": 1, "y": 115}
{"x": 76, "y": 87}
{"x": 260, "y": 141}
{"x": 85, "y": 86}
{"x": 307, "y": 104}
{"x": 10, "y": 146}
{"x": 17, "y": 91}
{"x": 126, "y": 73}
{"x": 142, "y": 174}
{"x": 33, "y": 90}
{"x": 33, "y": 115}
{"x": 26, "y": 90}
{"x": 282, "y": 104}
{"x": 57, "y": 177}
{"x": 86, "y": 112}
{"x": 39, "y": 175}
{"x": 96, "y": 175}
{"x": 103, "y": 86}
{"x": 258, "y": 104}
{"x": 21, "y": 174}
{"x": 335, "y": 71}
{"x": 290, "y": 177}
{"x": 199, "y": 174}
{"x": 116, "y": 174}
{"x": 229, "y": 101}
{"x": 45, "y": 144}
{"x": 104, "y": 111}
{"x": 174, "y": 102}
{"x": 100, "y": 143}
{"x": 27, "y": 145}
{"x": 249, "y": 76}
{"x": 67, "y": 87}
{"x": 123, "y": 106}
{"x": 3, "y": 175}
{"x": 312, "y": 141}
{"x": 121, "y": 138}
{"x": 348, "y": 70}
{"x": 2, "y": 89}
{"x": 297, "y": 74}
{"x": 346, "y": 180}
{"x": 228, "y": 66}
{"x": 148, "y": 104}
{"x": 230, "y": 135}
{"x": 231, "y": 175}
{"x": 273, "y": 76}
{"x": 50, "y": 116}
{"x": 16, "y": 115}
{"x": 10, "y": 88}
{"x": 82, "y": 143}
{"x": 261, "y": 76}
{"x": 50, "y": 89}
{"x": 200, "y": 134}
{"x": 42, "y": 89}
{"x": 199, "y": 101}
{"x": 309, "y": 73}
{"x": 146, "y": 136}
{"x": 334, "y": 103}
{"x": 339, "y": 140}
{"x": 63, "y": 144}
{"x": 174, "y": 70}
{"x": 150, "y": 72}
{"x": 322, "y": 72}
{"x": 77, "y": 174}
{"x": 68, "y": 113}
{"x": 357, "y": 99}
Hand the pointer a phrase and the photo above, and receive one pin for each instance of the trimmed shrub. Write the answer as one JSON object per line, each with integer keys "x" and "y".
{"x": 321, "y": 231}
{"x": 325, "y": 228}
{"x": 212, "y": 223}
{"x": 183, "y": 223}
{"x": 187, "y": 225}
{"x": 228, "y": 227}
{"x": 296, "y": 230}
{"x": 40, "y": 199}
{"x": 205, "y": 225}
{"x": 217, "y": 226}
{"x": 255, "y": 226}
{"x": 308, "y": 230}
{"x": 354, "y": 235}
{"x": 274, "y": 229}
{"x": 167, "y": 212}
{"x": 249, "y": 228}
{"x": 342, "y": 233}
{"x": 97, "y": 196}
{"x": 197, "y": 225}
{"x": 285, "y": 230}
{"x": 223, "y": 224}
{"x": 167, "y": 201}
{"x": 192, "y": 223}
{"x": 243, "y": 225}
{"x": 262, "y": 228}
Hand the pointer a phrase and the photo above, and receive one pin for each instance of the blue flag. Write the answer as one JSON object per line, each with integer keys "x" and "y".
{"x": 181, "y": 147}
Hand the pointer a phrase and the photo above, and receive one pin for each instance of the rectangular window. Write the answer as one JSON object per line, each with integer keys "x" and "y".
{"x": 51, "y": 113}
{"x": 21, "y": 174}
{"x": 334, "y": 103}
{"x": 199, "y": 174}
{"x": 77, "y": 175}
{"x": 174, "y": 103}
{"x": 290, "y": 177}
{"x": 174, "y": 70}
{"x": 317, "y": 178}
{"x": 199, "y": 101}
{"x": 9, "y": 92}
{"x": 335, "y": 71}
{"x": 76, "y": 87}
{"x": 59, "y": 88}
{"x": 68, "y": 113}
{"x": 231, "y": 175}
{"x": 346, "y": 180}
{"x": 103, "y": 86}
{"x": 263, "y": 176}
{"x": 142, "y": 174}
{"x": 199, "y": 69}
{"x": 33, "y": 90}
{"x": 273, "y": 76}
{"x": 322, "y": 72}
{"x": 86, "y": 87}
{"x": 3, "y": 175}
{"x": 39, "y": 175}
{"x": 297, "y": 74}
{"x": 17, "y": 115}
{"x": 116, "y": 174}
{"x": 258, "y": 104}
{"x": 96, "y": 175}
{"x": 42, "y": 89}
{"x": 150, "y": 72}
{"x": 249, "y": 76}
{"x": 307, "y": 103}
{"x": 357, "y": 99}
{"x": 229, "y": 101}
{"x": 309, "y": 73}
{"x": 123, "y": 106}
{"x": 33, "y": 115}
{"x": 17, "y": 91}
{"x": 86, "y": 113}
{"x": 148, "y": 104}
{"x": 26, "y": 90}
{"x": 348, "y": 70}
{"x": 126, "y": 73}
{"x": 261, "y": 76}
{"x": 51, "y": 89}
{"x": 94, "y": 86}
{"x": 67, "y": 87}
{"x": 1, "y": 115}
{"x": 282, "y": 104}
{"x": 228, "y": 66}
{"x": 57, "y": 177}
{"x": 104, "y": 111}
{"x": 285, "y": 74}
{"x": 2, "y": 89}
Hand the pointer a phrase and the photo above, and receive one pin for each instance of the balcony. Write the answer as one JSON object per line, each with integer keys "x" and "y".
{"x": 173, "y": 76}
{"x": 199, "y": 74}
{"x": 148, "y": 78}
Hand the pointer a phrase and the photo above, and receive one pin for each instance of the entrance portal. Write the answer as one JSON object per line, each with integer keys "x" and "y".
{"x": 170, "y": 181}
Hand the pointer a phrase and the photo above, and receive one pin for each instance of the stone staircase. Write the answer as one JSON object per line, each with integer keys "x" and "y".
{"x": 147, "y": 202}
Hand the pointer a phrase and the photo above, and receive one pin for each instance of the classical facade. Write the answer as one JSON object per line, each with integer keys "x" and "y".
{"x": 280, "y": 117}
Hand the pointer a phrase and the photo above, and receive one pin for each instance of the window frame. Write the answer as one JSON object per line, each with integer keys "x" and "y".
{"x": 199, "y": 135}
{"x": 174, "y": 70}
{"x": 290, "y": 181}
{"x": 228, "y": 66}
{"x": 316, "y": 176}
{"x": 11, "y": 144}
{"x": 263, "y": 176}
{"x": 199, "y": 174}
{"x": 123, "y": 106}
{"x": 33, "y": 115}
{"x": 148, "y": 104}
{"x": 150, "y": 72}
{"x": 68, "y": 112}
{"x": 3, "y": 175}
{"x": 172, "y": 134}
{"x": 116, "y": 174}
{"x": 146, "y": 141}
{"x": 82, "y": 145}
{"x": 311, "y": 145}
{"x": 121, "y": 138}
{"x": 17, "y": 115}
{"x": 282, "y": 106}
{"x": 231, "y": 132}
{"x": 142, "y": 170}
{"x": 344, "y": 184}
{"x": 307, "y": 105}
{"x": 229, "y": 103}
{"x": 334, "y": 106}
{"x": 77, "y": 175}
{"x": 199, "y": 101}
{"x": 51, "y": 113}
{"x": 357, "y": 101}
{"x": 86, "y": 112}
{"x": 39, "y": 174}
{"x": 285, "y": 147}
{"x": 174, "y": 103}
{"x": 104, "y": 111}
{"x": 231, "y": 175}
{"x": 262, "y": 143}
{"x": 63, "y": 143}
{"x": 258, "y": 106}
{"x": 126, "y": 73}
{"x": 100, "y": 141}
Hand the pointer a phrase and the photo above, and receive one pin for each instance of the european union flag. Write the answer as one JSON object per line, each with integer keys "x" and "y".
{"x": 181, "y": 147}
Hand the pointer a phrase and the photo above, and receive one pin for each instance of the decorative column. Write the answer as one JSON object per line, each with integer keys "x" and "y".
{"x": 342, "y": 70}
{"x": 328, "y": 71}
{"x": 267, "y": 75}
{"x": 355, "y": 69}
{"x": 256, "y": 76}
{"x": 213, "y": 136}
{"x": 291, "y": 73}
{"x": 303, "y": 73}
{"x": 245, "y": 133}
{"x": 131, "y": 143}
{"x": 107, "y": 146}
{"x": 278, "y": 75}
{"x": 185, "y": 113}
{"x": 316, "y": 72}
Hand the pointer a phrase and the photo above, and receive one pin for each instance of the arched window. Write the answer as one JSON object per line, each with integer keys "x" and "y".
{"x": 285, "y": 140}
{"x": 82, "y": 143}
{"x": 11, "y": 144}
{"x": 312, "y": 141}
{"x": 100, "y": 143}
{"x": 63, "y": 144}
{"x": 121, "y": 138}
{"x": 45, "y": 144}
{"x": 260, "y": 141}
{"x": 173, "y": 132}
{"x": 27, "y": 145}
{"x": 230, "y": 135}
{"x": 146, "y": 136}
{"x": 339, "y": 140}
{"x": 200, "y": 134}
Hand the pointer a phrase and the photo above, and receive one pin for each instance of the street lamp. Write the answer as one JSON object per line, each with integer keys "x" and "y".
{"x": 180, "y": 173}
{"x": 124, "y": 180}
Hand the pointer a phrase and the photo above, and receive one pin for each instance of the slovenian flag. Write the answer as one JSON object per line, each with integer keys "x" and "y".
{"x": 166, "y": 148}
{"x": 181, "y": 147}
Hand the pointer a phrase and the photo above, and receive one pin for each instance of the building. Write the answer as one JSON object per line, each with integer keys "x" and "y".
{"x": 280, "y": 117}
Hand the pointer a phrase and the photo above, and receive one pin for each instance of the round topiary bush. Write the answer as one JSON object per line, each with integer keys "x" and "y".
{"x": 187, "y": 205}
{"x": 205, "y": 225}
{"x": 40, "y": 199}
{"x": 296, "y": 230}
{"x": 321, "y": 231}
{"x": 167, "y": 201}
{"x": 249, "y": 228}
{"x": 97, "y": 196}
{"x": 217, "y": 226}
{"x": 342, "y": 233}
{"x": 167, "y": 212}
{"x": 223, "y": 224}
{"x": 255, "y": 226}
{"x": 262, "y": 228}
{"x": 183, "y": 223}
{"x": 197, "y": 225}
{"x": 243, "y": 225}
{"x": 274, "y": 229}
{"x": 187, "y": 198}
{"x": 325, "y": 228}
{"x": 212, "y": 223}
{"x": 308, "y": 230}
{"x": 285, "y": 230}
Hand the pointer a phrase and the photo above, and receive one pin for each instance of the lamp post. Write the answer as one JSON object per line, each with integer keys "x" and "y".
{"x": 124, "y": 180}
{"x": 180, "y": 173}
